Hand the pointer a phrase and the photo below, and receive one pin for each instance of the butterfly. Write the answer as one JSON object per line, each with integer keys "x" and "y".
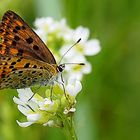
{"x": 25, "y": 60}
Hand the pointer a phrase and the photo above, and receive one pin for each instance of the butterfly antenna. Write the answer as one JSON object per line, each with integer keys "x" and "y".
{"x": 74, "y": 64}
{"x": 69, "y": 49}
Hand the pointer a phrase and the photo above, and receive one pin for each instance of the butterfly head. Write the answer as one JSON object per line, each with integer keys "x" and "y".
{"x": 61, "y": 68}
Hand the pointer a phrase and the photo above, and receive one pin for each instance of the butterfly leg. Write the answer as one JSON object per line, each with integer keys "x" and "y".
{"x": 64, "y": 91}
{"x": 31, "y": 97}
{"x": 51, "y": 92}
{"x": 28, "y": 107}
{"x": 62, "y": 83}
{"x": 62, "y": 78}
{"x": 34, "y": 93}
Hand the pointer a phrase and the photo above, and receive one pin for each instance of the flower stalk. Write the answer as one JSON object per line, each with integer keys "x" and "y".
{"x": 68, "y": 128}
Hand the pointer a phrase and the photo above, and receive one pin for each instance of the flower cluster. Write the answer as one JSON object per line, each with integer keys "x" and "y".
{"x": 59, "y": 37}
{"x": 44, "y": 110}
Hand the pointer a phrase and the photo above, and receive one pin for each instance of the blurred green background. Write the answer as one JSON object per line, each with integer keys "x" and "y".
{"x": 109, "y": 106}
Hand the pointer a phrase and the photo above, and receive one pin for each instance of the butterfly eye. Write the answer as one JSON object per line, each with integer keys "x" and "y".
{"x": 61, "y": 67}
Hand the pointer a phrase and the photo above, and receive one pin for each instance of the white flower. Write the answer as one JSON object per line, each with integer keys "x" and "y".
{"x": 24, "y": 96}
{"x": 44, "y": 111}
{"x": 73, "y": 87}
{"x": 75, "y": 70}
{"x": 33, "y": 108}
{"x": 59, "y": 35}
{"x": 51, "y": 28}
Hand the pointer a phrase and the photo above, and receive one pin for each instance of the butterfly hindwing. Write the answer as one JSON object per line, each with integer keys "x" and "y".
{"x": 17, "y": 72}
{"x": 18, "y": 39}
{"x": 28, "y": 78}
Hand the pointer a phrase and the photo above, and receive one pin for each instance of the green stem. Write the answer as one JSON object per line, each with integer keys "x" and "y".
{"x": 69, "y": 128}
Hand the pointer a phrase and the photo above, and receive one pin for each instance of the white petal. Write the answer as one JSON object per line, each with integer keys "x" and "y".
{"x": 24, "y": 124}
{"x": 33, "y": 117}
{"x": 67, "y": 35}
{"x": 76, "y": 75}
{"x": 82, "y": 33}
{"x": 87, "y": 68}
{"x": 77, "y": 72}
{"x": 73, "y": 87}
{"x": 78, "y": 87}
{"x": 24, "y": 110}
{"x": 63, "y": 22}
{"x": 64, "y": 49}
{"x": 92, "y": 47}
{"x": 42, "y": 23}
{"x": 25, "y": 94}
{"x": 73, "y": 56}
{"x": 33, "y": 105}
{"x": 70, "y": 89}
{"x": 39, "y": 22}
{"x": 18, "y": 101}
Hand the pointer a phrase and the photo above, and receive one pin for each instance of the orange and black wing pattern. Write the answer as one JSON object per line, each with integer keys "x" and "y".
{"x": 18, "y": 39}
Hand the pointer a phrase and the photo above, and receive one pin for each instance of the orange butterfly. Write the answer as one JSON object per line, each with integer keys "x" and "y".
{"x": 24, "y": 59}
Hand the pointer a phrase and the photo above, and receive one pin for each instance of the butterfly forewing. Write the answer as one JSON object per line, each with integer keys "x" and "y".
{"x": 19, "y": 39}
